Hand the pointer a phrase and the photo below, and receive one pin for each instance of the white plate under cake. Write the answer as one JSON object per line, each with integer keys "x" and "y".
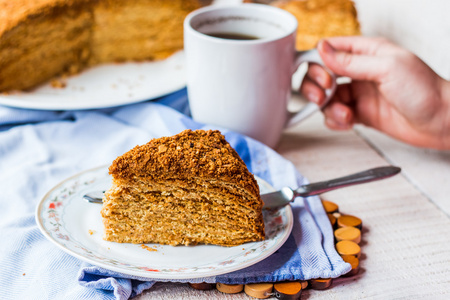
{"x": 76, "y": 227}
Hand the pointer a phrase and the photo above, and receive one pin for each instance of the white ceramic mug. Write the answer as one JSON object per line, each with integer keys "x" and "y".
{"x": 244, "y": 85}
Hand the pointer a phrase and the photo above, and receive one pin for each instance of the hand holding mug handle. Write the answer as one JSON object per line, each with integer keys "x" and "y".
{"x": 310, "y": 56}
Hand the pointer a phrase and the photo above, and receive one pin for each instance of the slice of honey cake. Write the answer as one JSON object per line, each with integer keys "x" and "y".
{"x": 191, "y": 188}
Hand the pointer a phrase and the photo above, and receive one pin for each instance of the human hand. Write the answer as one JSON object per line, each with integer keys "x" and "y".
{"x": 391, "y": 90}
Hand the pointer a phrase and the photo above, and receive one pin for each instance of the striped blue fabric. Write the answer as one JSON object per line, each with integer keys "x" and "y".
{"x": 38, "y": 149}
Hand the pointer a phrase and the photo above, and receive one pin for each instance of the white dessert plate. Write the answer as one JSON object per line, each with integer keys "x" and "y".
{"x": 106, "y": 86}
{"x": 76, "y": 227}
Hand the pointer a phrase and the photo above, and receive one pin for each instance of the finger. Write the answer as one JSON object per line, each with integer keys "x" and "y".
{"x": 318, "y": 74}
{"x": 312, "y": 91}
{"x": 362, "y": 45}
{"x": 330, "y": 123}
{"x": 344, "y": 94}
{"x": 338, "y": 116}
{"x": 355, "y": 66}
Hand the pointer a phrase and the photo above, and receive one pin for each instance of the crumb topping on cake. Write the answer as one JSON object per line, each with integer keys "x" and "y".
{"x": 199, "y": 153}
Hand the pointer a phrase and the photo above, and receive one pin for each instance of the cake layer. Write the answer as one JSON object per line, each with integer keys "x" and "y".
{"x": 181, "y": 213}
{"x": 319, "y": 19}
{"x": 43, "y": 46}
{"x": 139, "y": 30}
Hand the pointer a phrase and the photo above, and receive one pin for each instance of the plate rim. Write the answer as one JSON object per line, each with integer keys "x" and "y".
{"x": 70, "y": 102}
{"x": 154, "y": 275}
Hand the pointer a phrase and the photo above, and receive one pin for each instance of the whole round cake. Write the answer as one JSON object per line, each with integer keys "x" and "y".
{"x": 40, "y": 39}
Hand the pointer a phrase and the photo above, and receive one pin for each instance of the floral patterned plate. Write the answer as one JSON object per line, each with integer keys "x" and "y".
{"x": 76, "y": 227}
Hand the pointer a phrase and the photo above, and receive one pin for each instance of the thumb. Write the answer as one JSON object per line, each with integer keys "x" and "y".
{"x": 357, "y": 66}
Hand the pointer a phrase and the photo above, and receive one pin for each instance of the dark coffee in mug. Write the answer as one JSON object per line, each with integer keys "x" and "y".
{"x": 232, "y": 36}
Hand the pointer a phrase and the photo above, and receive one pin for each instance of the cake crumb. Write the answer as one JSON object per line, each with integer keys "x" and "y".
{"x": 91, "y": 232}
{"x": 148, "y": 248}
{"x": 58, "y": 84}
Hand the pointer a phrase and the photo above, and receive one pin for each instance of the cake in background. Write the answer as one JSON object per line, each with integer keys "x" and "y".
{"x": 318, "y": 19}
{"x": 187, "y": 189}
{"x": 41, "y": 39}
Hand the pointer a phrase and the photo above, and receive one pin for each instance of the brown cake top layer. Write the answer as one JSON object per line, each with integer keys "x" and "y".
{"x": 318, "y": 19}
{"x": 12, "y": 12}
{"x": 199, "y": 153}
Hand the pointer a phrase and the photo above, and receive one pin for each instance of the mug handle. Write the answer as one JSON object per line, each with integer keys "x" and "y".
{"x": 310, "y": 56}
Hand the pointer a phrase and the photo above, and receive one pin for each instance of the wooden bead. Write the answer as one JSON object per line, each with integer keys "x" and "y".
{"x": 348, "y": 248}
{"x": 259, "y": 290}
{"x": 304, "y": 284}
{"x": 354, "y": 262}
{"x": 288, "y": 290}
{"x": 202, "y": 286}
{"x": 229, "y": 288}
{"x": 348, "y": 234}
{"x": 330, "y": 207}
{"x": 337, "y": 215}
{"x": 320, "y": 283}
{"x": 332, "y": 220}
{"x": 349, "y": 221}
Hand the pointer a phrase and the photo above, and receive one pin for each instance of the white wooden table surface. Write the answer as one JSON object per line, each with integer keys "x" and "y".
{"x": 406, "y": 236}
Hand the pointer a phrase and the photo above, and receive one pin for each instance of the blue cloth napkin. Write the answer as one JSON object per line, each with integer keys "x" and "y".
{"x": 39, "y": 149}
